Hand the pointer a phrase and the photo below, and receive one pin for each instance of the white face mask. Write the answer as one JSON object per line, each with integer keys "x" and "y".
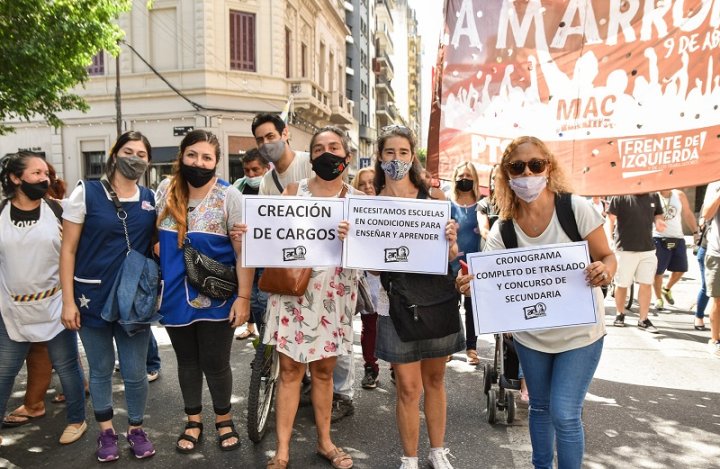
{"x": 528, "y": 188}
{"x": 254, "y": 182}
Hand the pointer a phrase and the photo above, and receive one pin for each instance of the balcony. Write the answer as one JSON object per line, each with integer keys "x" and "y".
{"x": 367, "y": 133}
{"x": 342, "y": 109}
{"x": 309, "y": 100}
{"x": 382, "y": 66}
{"x": 382, "y": 86}
{"x": 385, "y": 113}
{"x": 383, "y": 41}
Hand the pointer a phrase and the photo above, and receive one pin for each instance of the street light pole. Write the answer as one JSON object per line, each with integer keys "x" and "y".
{"x": 118, "y": 110}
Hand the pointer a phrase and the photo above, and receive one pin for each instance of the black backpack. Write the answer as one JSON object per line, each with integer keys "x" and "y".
{"x": 52, "y": 203}
{"x": 565, "y": 214}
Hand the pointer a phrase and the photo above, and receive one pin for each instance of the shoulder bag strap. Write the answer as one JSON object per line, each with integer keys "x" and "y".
{"x": 276, "y": 179}
{"x": 507, "y": 231}
{"x": 121, "y": 213}
{"x": 56, "y": 208}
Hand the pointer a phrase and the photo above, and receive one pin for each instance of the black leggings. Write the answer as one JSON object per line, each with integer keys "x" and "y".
{"x": 201, "y": 348}
{"x": 470, "y": 337}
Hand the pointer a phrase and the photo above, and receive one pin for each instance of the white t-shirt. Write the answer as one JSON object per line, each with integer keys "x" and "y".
{"x": 74, "y": 208}
{"x": 713, "y": 245}
{"x": 567, "y": 338}
{"x": 300, "y": 168}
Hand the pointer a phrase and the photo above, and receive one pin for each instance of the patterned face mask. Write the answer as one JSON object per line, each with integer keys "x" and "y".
{"x": 396, "y": 169}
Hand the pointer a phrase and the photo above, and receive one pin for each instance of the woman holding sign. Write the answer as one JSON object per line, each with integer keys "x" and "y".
{"x": 419, "y": 365}
{"x": 315, "y": 328}
{"x": 558, "y": 363}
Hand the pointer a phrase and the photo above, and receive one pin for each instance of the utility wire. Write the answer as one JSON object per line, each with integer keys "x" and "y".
{"x": 197, "y": 106}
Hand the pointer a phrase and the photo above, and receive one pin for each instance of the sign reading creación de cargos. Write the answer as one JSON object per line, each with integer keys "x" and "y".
{"x": 625, "y": 93}
{"x": 292, "y": 231}
{"x": 396, "y": 234}
{"x": 525, "y": 289}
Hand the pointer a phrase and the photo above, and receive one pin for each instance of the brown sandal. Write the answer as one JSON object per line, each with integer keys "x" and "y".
{"x": 276, "y": 463}
{"x": 337, "y": 457}
{"x": 472, "y": 357}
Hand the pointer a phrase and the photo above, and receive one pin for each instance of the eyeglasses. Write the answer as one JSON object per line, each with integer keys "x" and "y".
{"x": 536, "y": 165}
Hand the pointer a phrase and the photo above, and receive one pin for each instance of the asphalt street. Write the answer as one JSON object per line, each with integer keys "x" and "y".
{"x": 654, "y": 403}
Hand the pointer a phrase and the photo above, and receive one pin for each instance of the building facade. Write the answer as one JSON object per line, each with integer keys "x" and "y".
{"x": 360, "y": 80}
{"x": 204, "y": 64}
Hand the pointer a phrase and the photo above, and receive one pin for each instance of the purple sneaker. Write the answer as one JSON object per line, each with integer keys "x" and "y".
{"x": 107, "y": 446}
{"x": 141, "y": 446}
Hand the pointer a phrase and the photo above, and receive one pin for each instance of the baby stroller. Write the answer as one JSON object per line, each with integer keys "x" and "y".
{"x": 504, "y": 372}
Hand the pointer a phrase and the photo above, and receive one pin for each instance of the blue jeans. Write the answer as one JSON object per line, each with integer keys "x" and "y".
{"x": 702, "y": 298}
{"x": 153, "y": 355}
{"x": 557, "y": 383}
{"x": 63, "y": 351}
{"x": 132, "y": 353}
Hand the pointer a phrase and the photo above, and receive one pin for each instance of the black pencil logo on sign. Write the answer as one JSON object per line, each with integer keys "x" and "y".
{"x": 399, "y": 254}
{"x": 294, "y": 254}
{"x": 535, "y": 311}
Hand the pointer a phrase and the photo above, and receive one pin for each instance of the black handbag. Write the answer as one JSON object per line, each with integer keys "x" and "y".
{"x": 210, "y": 277}
{"x": 422, "y": 306}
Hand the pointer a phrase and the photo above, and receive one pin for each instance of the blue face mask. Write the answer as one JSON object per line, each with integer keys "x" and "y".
{"x": 396, "y": 169}
{"x": 528, "y": 188}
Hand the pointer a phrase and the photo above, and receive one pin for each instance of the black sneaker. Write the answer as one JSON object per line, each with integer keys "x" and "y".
{"x": 619, "y": 320}
{"x": 341, "y": 407}
{"x": 646, "y": 325}
{"x": 371, "y": 379}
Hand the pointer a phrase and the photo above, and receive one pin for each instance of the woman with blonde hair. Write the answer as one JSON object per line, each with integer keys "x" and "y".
{"x": 558, "y": 363}
{"x": 463, "y": 209}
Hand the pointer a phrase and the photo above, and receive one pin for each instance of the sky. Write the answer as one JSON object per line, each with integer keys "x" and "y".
{"x": 430, "y": 22}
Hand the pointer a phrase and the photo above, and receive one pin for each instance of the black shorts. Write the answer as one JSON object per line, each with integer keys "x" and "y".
{"x": 671, "y": 255}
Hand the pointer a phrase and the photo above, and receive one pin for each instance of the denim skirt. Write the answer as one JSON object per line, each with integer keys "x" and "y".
{"x": 390, "y": 348}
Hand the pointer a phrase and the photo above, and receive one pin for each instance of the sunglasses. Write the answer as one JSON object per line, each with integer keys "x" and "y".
{"x": 536, "y": 165}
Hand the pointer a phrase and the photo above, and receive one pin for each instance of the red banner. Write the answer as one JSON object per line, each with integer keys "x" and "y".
{"x": 626, "y": 93}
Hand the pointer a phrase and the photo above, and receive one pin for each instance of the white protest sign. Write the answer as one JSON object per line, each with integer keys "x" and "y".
{"x": 539, "y": 287}
{"x": 397, "y": 234}
{"x": 292, "y": 231}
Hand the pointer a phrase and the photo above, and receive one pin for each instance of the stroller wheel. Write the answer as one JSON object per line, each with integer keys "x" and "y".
{"x": 487, "y": 377}
{"x": 510, "y": 406}
{"x": 491, "y": 406}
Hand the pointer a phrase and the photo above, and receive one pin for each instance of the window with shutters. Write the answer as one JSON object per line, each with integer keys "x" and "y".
{"x": 242, "y": 41}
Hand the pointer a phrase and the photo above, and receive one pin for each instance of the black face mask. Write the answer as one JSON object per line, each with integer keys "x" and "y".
{"x": 328, "y": 166}
{"x": 35, "y": 191}
{"x": 196, "y": 177}
{"x": 465, "y": 185}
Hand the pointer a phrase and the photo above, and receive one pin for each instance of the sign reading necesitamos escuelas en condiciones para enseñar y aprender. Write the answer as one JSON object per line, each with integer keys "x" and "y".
{"x": 292, "y": 231}
{"x": 530, "y": 288}
{"x": 397, "y": 234}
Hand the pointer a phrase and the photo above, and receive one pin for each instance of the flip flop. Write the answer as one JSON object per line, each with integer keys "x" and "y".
{"x": 12, "y": 424}
{"x": 244, "y": 335}
{"x": 58, "y": 399}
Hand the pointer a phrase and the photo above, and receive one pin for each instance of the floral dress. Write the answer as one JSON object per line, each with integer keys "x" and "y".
{"x": 318, "y": 324}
